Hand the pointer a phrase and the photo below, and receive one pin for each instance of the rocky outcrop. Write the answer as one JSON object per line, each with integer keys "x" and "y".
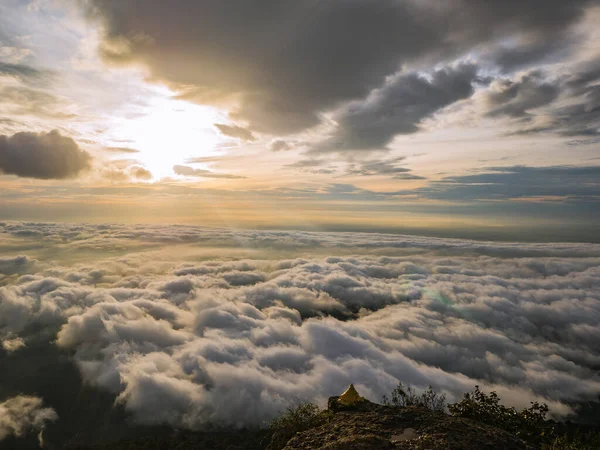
{"x": 368, "y": 426}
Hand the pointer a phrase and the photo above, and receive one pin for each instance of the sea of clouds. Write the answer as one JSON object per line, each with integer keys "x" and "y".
{"x": 195, "y": 327}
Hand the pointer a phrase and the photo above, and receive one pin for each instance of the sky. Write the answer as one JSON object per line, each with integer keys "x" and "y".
{"x": 472, "y": 119}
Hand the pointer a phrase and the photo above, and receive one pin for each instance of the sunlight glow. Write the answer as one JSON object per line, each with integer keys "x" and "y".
{"x": 168, "y": 132}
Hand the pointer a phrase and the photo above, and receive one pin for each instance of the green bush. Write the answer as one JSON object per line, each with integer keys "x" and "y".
{"x": 294, "y": 420}
{"x": 578, "y": 441}
{"x": 529, "y": 424}
{"x": 406, "y": 396}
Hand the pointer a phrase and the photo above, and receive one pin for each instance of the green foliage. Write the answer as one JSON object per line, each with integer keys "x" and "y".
{"x": 406, "y": 396}
{"x": 528, "y": 424}
{"x": 294, "y": 420}
{"x": 578, "y": 441}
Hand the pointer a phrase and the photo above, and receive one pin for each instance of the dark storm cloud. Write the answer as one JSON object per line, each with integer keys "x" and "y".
{"x": 202, "y": 173}
{"x": 521, "y": 54}
{"x": 288, "y": 61}
{"x": 235, "y": 131}
{"x": 398, "y": 108}
{"x": 43, "y": 155}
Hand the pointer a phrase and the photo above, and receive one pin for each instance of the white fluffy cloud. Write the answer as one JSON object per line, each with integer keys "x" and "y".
{"x": 12, "y": 345}
{"x": 233, "y": 331}
{"x": 22, "y": 414}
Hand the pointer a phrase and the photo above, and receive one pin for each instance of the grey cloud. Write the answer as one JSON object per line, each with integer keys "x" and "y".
{"x": 527, "y": 52}
{"x": 584, "y": 76}
{"x": 566, "y": 105}
{"x": 236, "y": 132}
{"x": 516, "y": 98}
{"x": 24, "y": 72}
{"x": 23, "y": 414}
{"x": 408, "y": 176}
{"x": 309, "y": 57}
{"x": 16, "y": 265}
{"x": 383, "y": 167}
{"x": 398, "y": 108}
{"x": 322, "y": 171}
{"x": 517, "y": 15}
{"x": 577, "y": 142}
{"x": 312, "y": 166}
{"x": 279, "y": 145}
{"x": 243, "y": 278}
{"x": 576, "y": 120}
{"x": 306, "y": 163}
{"x": 44, "y": 155}
{"x": 202, "y": 173}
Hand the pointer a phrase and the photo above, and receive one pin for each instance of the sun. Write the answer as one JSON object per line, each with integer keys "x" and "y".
{"x": 168, "y": 131}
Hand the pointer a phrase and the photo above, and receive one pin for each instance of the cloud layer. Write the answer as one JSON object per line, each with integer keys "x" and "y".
{"x": 234, "y": 331}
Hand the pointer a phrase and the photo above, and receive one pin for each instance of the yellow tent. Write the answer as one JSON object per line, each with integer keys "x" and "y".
{"x": 350, "y": 397}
